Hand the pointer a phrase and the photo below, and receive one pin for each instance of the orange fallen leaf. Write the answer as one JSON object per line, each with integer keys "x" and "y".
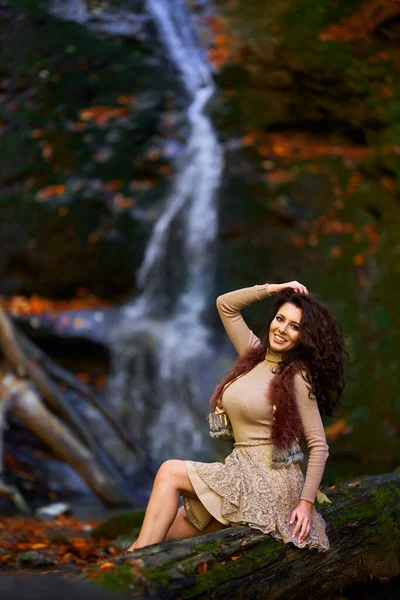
{"x": 124, "y": 98}
{"x": 113, "y": 185}
{"x": 297, "y": 240}
{"x": 201, "y": 567}
{"x": 359, "y": 259}
{"x": 101, "y": 114}
{"x": 49, "y": 191}
{"x": 336, "y": 252}
{"x": 122, "y": 201}
{"x": 106, "y": 566}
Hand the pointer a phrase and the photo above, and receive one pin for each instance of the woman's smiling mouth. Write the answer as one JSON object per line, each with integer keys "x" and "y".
{"x": 279, "y": 339}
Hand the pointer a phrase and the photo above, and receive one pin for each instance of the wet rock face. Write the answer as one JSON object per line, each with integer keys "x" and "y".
{"x": 92, "y": 116}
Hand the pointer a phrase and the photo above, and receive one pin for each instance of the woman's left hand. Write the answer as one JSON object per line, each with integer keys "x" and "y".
{"x": 303, "y": 514}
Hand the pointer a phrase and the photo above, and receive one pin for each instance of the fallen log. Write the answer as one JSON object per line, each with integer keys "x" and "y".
{"x": 363, "y": 527}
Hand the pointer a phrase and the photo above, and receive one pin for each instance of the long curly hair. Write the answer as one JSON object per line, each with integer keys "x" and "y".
{"x": 320, "y": 350}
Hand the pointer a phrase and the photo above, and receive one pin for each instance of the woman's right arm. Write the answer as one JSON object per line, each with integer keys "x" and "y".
{"x": 229, "y": 306}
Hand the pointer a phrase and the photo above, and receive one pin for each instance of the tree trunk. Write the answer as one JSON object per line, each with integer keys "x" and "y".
{"x": 363, "y": 527}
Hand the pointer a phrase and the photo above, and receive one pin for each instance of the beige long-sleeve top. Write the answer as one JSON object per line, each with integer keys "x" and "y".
{"x": 244, "y": 398}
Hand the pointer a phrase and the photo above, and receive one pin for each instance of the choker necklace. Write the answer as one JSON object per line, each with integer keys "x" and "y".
{"x": 272, "y": 356}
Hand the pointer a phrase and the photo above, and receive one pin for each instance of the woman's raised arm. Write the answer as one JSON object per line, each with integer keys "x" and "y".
{"x": 229, "y": 306}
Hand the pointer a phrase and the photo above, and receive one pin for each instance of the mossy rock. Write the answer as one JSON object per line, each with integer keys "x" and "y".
{"x": 122, "y": 524}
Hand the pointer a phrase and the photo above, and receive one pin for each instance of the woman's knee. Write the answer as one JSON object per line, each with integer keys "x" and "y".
{"x": 170, "y": 469}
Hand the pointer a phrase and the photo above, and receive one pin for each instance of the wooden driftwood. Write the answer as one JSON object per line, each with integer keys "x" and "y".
{"x": 26, "y": 404}
{"x": 363, "y": 527}
{"x": 40, "y": 362}
{"x": 29, "y": 388}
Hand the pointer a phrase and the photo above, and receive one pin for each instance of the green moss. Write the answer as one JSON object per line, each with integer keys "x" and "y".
{"x": 353, "y": 513}
{"x": 122, "y": 524}
{"x": 385, "y": 528}
{"x": 385, "y": 495}
{"x": 159, "y": 575}
{"x": 119, "y": 579}
{"x": 385, "y": 533}
{"x": 218, "y": 574}
{"x": 207, "y": 547}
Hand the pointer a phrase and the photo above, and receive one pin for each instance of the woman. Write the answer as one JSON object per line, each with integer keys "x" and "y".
{"x": 274, "y": 397}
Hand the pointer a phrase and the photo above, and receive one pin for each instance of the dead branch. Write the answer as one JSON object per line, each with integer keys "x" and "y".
{"x": 9, "y": 345}
{"x": 26, "y": 404}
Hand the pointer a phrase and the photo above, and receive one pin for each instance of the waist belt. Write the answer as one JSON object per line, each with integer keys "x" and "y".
{"x": 253, "y": 443}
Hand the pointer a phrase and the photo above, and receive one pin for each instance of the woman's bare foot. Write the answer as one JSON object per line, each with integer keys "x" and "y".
{"x": 132, "y": 547}
{"x": 127, "y": 550}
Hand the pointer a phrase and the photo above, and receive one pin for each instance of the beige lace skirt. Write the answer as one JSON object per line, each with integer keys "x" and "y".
{"x": 246, "y": 490}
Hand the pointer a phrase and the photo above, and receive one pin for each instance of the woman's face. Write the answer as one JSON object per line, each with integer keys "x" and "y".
{"x": 284, "y": 329}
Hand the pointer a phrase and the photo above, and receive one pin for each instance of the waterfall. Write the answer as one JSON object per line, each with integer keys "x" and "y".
{"x": 162, "y": 356}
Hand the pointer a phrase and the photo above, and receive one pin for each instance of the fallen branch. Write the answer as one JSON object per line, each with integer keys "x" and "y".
{"x": 75, "y": 439}
{"x": 42, "y": 363}
{"x": 9, "y": 345}
{"x": 25, "y": 403}
{"x": 55, "y": 399}
{"x": 10, "y": 491}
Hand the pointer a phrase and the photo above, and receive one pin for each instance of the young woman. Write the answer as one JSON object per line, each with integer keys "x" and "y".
{"x": 274, "y": 397}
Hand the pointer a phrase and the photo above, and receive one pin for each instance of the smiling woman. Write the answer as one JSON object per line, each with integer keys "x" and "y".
{"x": 273, "y": 398}
{"x": 284, "y": 330}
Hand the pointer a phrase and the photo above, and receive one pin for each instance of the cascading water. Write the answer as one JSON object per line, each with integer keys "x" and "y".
{"x": 162, "y": 357}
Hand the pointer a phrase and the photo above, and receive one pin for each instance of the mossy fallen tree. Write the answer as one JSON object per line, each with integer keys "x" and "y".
{"x": 363, "y": 526}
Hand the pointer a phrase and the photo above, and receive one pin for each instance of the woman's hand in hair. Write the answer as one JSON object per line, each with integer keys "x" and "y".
{"x": 274, "y": 288}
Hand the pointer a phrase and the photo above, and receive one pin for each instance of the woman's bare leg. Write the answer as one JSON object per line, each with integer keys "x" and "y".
{"x": 181, "y": 529}
{"x": 170, "y": 482}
